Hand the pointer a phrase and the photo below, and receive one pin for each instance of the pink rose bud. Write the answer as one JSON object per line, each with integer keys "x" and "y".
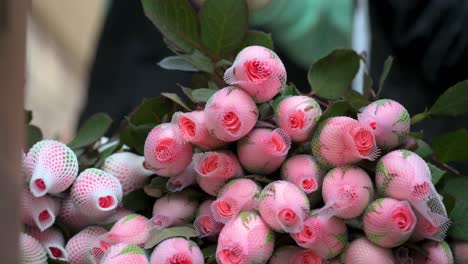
{"x": 389, "y": 121}
{"x": 389, "y": 222}
{"x": 123, "y": 253}
{"x": 119, "y": 213}
{"x": 192, "y": 126}
{"x": 96, "y": 193}
{"x": 236, "y": 196}
{"x": 214, "y": 169}
{"x": 245, "y": 239}
{"x": 177, "y": 250}
{"x": 53, "y": 242}
{"x": 263, "y": 150}
{"x": 79, "y": 246}
{"x": 297, "y": 116}
{"x": 342, "y": 140}
{"x": 39, "y": 211}
{"x": 182, "y": 180}
{"x": 173, "y": 209}
{"x": 324, "y": 235}
{"x": 361, "y": 251}
{"x": 304, "y": 172}
{"x": 31, "y": 250}
{"x": 460, "y": 251}
{"x": 346, "y": 192}
{"x": 205, "y": 224}
{"x": 283, "y": 206}
{"x": 231, "y": 114}
{"x": 295, "y": 255}
{"x": 52, "y": 167}
{"x": 258, "y": 71}
{"x": 165, "y": 151}
{"x": 437, "y": 253}
{"x": 132, "y": 229}
{"x": 403, "y": 175}
{"x": 128, "y": 168}
{"x": 71, "y": 216}
{"x": 426, "y": 230}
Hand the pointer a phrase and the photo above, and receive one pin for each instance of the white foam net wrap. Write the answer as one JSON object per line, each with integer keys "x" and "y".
{"x": 31, "y": 250}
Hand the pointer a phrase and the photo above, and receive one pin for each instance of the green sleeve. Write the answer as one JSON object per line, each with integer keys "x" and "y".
{"x": 307, "y": 29}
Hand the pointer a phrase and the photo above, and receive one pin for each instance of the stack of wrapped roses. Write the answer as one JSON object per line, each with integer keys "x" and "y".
{"x": 354, "y": 194}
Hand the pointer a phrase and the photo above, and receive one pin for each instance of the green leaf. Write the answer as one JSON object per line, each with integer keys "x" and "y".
{"x": 135, "y": 136}
{"x": 177, "y": 231}
{"x": 266, "y": 111}
{"x": 132, "y": 249}
{"x": 419, "y": 117}
{"x": 453, "y": 102}
{"x": 209, "y": 253}
{"x": 385, "y": 71}
{"x": 459, "y": 228}
{"x": 223, "y": 25}
{"x": 257, "y": 38}
{"x": 457, "y": 188}
{"x": 451, "y": 146}
{"x": 55, "y": 261}
{"x": 202, "y": 95}
{"x": 338, "y": 108}
{"x": 137, "y": 201}
{"x": 197, "y": 59}
{"x": 212, "y": 86}
{"x": 106, "y": 153}
{"x": 156, "y": 187}
{"x": 176, "y": 20}
{"x": 174, "y": 97}
{"x": 356, "y": 100}
{"x": 331, "y": 76}
{"x": 176, "y": 63}
{"x": 423, "y": 150}
{"x": 153, "y": 111}
{"x": 33, "y": 135}
{"x": 93, "y": 129}
{"x": 28, "y": 116}
{"x": 436, "y": 173}
{"x": 290, "y": 90}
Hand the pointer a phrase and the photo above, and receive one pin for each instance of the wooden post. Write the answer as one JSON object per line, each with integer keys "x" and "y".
{"x": 12, "y": 82}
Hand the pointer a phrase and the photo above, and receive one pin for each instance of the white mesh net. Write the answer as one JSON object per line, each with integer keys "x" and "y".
{"x": 39, "y": 211}
{"x": 78, "y": 246}
{"x": 31, "y": 250}
{"x": 53, "y": 242}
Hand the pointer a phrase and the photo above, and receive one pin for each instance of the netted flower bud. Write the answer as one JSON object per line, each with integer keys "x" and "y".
{"x": 128, "y": 168}
{"x": 118, "y": 214}
{"x": 177, "y": 250}
{"x": 346, "y": 192}
{"x": 51, "y": 166}
{"x": 245, "y": 239}
{"x": 53, "y": 242}
{"x": 403, "y": 175}
{"x": 31, "y": 250}
{"x": 71, "y": 216}
{"x": 342, "y": 140}
{"x": 79, "y": 246}
{"x": 96, "y": 193}
{"x": 192, "y": 127}
{"x": 258, "y": 71}
{"x": 205, "y": 224}
{"x": 437, "y": 253}
{"x": 297, "y": 116}
{"x": 304, "y": 172}
{"x": 263, "y": 150}
{"x": 389, "y": 222}
{"x": 39, "y": 211}
{"x": 283, "y": 206}
{"x": 123, "y": 253}
{"x": 132, "y": 229}
{"x": 231, "y": 113}
{"x": 165, "y": 152}
{"x": 361, "y": 251}
{"x": 324, "y": 235}
{"x": 236, "y": 196}
{"x": 424, "y": 229}
{"x": 182, "y": 180}
{"x": 389, "y": 121}
{"x": 173, "y": 209}
{"x": 214, "y": 169}
{"x": 460, "y": 251}
{"x": 295, "y": 255}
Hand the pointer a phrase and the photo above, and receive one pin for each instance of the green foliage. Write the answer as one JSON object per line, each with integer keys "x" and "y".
{"x": 177, "y": 63}
{"x": 457, "y": 188}
{"x": 459, "y": 228}
{"x": 338, "y": 108}
{"x": 209, "y": 253}
{"x": 137, "y": 201}
{"x": 437, "y": 174}
{"x": 385, "y": 71}
{"x": 55, "y": 261}
{"x": 202, "y": 95}
{"x": 174, "y": 97}
{"x": 156, "y": 187}
{"x": 153, "y": 111}
{"x": 177, "y": 231}
{"x": 259, "y": 38}
{"x": 356, "y": 100}
{"x": 135, "y": 136}
{"x": 451, "y": 146}
{"x": 91, "y": 131}
{"x": 28, "y": 116}
{"x": 33, "y": 135}
{"x": 453, "y": 102}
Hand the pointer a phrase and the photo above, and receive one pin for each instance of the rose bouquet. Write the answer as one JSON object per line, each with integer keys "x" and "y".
{"x": 249, "y": 170}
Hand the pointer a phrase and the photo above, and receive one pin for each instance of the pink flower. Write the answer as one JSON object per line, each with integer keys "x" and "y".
{"x": 437, "y": 253}
{"x": 297, "y": 116}
{"x": 192, "y": 126}
{"x": 39, "y": 212}
{"x": 304, "y": 172}
{"x": 283, "y": 206}
{"x": 96, "y": 193}
{"x": 245, "y": 239}
{"x": 346, "y": 192}
{"x": 236, "y": 196}
{"x": 132, "y": 229}
{"x": 79, "y": 246}
{"x": 165, "y": 152}
{"x": 342, "y": 140}
{"x": 184, "y": 179}
{"x": 214, "y": 169}
{"x": 177, "y": 250}
{"x": 205, "y": 224}
{"x": 263, "y": 150}
{"x": 258, "y": 71}
{"x": 31, "y": 250}
{"x": 460, "y": 251}
{"x": 124, "y": 253}
{"x": 424, "y": 229}
{"x": 232, "y": 114}
{"x": 295, "y": 255}
{"x": 389, "y": 121}
{"x": 51, "y": 167}
{"x": 53, "y": 242}
{"x": 389, "y": 222}
{"x": 119, "y": 213}
{"x": 361, "y": 250}
{"x": 173, "y": 209}
{"x": 324, "y": 235}
{"x": 128, "y": 168}
{"x": 403, "y": 175}
{"x": 71, "y": 216}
